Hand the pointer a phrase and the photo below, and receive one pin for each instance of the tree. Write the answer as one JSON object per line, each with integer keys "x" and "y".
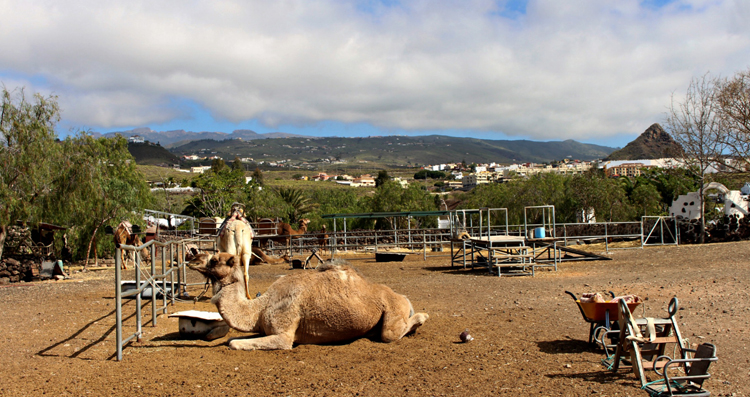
{"x": 217, "y": 165}
{"x": 262, "y": 203}
{"x": 164, "y": 200}
{"x": 645, "y": 199}
{"x": 218, "y": 191}
{"x": 298, "y": 203}
{"x": 669, "y": 183}
{"x": 97, "y": 182}
{"x": 237, "y": 165}
{"x": 606, "y": 196}
{"x": 696, "y": 126}
{"x": 258, "y": 176}
{"x": 424, "y": 174}
{"x": 391, "y": 197}
{"x": 27, "y": 147}
{"x": 733, "y": 107}
{"x": 382, "y": 178}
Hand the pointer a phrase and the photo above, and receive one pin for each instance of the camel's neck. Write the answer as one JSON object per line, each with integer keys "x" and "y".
{"x": 239, "y": 312}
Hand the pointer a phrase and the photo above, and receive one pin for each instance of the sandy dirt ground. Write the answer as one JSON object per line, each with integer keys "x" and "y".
{"x": 58, "y": 338}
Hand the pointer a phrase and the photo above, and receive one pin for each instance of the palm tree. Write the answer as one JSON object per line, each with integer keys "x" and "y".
{"x": 300, "y": 205}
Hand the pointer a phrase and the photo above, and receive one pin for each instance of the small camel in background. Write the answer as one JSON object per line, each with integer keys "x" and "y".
{"x": 286, "y": 234}
{"x": 124, "y": 235}
{"x": 323, "y": 239}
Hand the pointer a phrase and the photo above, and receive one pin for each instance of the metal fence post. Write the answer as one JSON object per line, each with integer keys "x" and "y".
{"x": 118, "y": 302}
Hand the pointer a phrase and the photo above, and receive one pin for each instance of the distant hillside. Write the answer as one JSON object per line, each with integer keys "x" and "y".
{"x": 654, "y": 143}
{"x": 396, "y": 150}
{"x": 151, "y": 154}
{"x": 180, "y": 137}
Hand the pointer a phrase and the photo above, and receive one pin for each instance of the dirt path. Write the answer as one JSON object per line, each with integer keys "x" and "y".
{"x": 58, "y": 337}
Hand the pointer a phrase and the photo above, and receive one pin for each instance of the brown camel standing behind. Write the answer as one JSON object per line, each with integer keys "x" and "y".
{"x": 123, "y": 235}
{"x": 323, "y": 239}
{"x": 286, "y": 233}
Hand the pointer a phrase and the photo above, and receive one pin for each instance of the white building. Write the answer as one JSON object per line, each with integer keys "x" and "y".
{"x": 200, "y": 169}
{"x": 478, "y": 178}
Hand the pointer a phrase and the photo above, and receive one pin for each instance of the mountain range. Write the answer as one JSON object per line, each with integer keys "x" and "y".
{"x": 178, "y": 137}
{"x": 386, "y": 150}
{"x": 395, "y": 150}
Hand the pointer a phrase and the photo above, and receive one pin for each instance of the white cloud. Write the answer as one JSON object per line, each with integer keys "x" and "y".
{"x": 563, "y": 70}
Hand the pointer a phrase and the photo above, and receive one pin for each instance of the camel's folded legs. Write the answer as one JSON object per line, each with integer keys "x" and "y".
{"x": 395, "y": 328}
{"x": 415, "y": 322}
{"x": 270, "y": 342}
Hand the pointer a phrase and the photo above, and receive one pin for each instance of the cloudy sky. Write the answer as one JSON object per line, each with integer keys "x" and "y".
{"x": 595, "y": 71}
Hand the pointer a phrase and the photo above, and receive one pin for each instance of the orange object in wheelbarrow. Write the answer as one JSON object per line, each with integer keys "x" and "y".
{"x": 601, "y": 314}
{"x": 597, "y": 311}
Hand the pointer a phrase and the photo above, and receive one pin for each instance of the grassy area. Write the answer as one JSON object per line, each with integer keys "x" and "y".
{"x": 305, "y": 185}
{"x": 733, "y": 180}
{"x": 158, "y": 174}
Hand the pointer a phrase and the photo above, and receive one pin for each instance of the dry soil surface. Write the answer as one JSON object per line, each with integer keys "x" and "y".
{"x": 58, "y": 338}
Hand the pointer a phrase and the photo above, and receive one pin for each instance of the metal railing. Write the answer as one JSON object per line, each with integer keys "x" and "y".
{"x": 171, "y": 257}
{"x": 601, "y": 231}
{"x": 426, "y": 239}
{"x": 664, "y": 231}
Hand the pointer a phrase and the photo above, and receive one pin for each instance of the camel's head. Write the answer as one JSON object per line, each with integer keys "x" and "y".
{"x": 303, "y": 222}
{"x": 136, "y": 241}
{"x": 219, "y": 268}
{"x": 191, "y": 253}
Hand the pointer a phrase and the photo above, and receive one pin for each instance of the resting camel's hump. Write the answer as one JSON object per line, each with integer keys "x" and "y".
{"x": 326, "y": 273}
{"x": 329, "y": 281}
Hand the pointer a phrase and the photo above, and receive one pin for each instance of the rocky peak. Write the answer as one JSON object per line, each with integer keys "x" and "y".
{"x": 653, "y": 143}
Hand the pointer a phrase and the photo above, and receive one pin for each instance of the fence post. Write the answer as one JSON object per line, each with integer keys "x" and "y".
{"x": 153, "y": 283}
{"x": 118, "y": 302}
{"x": 606, "y": 238}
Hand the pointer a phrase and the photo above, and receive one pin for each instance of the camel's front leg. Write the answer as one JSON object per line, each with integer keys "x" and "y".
{"x": 395, "y": 328}
{"x": 246, "y": 261}
{"x": 124, "y": 258}
{"x": 270, "y": 342}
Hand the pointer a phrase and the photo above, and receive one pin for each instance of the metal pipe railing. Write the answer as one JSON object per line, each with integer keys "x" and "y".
{"x": 152, "y": 281}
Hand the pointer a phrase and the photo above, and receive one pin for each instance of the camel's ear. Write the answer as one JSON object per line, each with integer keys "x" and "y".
{"x": 232, "y": 261}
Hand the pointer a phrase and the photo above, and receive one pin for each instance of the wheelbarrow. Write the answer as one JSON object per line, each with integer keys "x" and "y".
{"x": 600, "y": 314}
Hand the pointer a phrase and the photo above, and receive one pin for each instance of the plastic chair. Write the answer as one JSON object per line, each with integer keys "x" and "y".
{"x": 695, "y": 373}
{"x": 646, "y": 351}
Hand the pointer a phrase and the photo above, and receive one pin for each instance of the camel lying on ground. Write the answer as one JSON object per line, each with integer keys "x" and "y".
{"x": 124, "y": 235}
{"x": 260, "y": 257}
{"x": 330, "y": 304}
